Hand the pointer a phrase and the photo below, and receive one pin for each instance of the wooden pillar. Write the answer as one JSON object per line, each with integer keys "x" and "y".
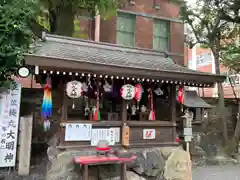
{"x": 63, "y": 110}
{"x": 123, "y": 171}
{"x": 64, "y": 102}
{"x": 124, "y": 111}
{"x": 125, "y": 129}
{"x": 172, "y": 110}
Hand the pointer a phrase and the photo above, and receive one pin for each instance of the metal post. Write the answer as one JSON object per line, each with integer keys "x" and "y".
{"x": 187, "y": 146}
{"x": 187, "y": 131}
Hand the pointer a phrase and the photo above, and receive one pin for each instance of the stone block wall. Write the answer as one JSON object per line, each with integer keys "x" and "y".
{"x": 153, "y": 163}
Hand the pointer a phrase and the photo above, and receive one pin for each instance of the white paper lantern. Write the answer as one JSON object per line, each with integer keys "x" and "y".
{"x": 127, "y": 91}
{"x": 74, "y": 89}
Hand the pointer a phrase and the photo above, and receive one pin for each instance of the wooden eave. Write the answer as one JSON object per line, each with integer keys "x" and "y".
{"x": 67, "y": 65}
{"x": 57, "y": 53}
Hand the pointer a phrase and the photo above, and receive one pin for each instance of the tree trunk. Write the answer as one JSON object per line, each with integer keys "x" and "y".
{"x": 237, "y": 129}
{"x": 62, "y": 20}
{"x": 236, "y": 135}
{"x": 220, "y": 95}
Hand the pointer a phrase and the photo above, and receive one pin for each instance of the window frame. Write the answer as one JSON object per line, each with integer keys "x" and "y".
{"x": 158, "y": 21}
{"x": 118, "y": 30}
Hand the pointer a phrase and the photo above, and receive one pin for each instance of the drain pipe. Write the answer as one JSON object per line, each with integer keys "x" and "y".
{"x": 97, "y": 26}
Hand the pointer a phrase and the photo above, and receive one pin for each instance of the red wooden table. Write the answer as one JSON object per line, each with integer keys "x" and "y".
{"x": 85, "y": 161}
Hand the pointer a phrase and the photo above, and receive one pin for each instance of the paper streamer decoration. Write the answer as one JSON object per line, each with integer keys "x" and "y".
{"x": 152, "y": 112}
{"x": 152, "y": 116}
{"x": 46, "y": 125}
{"x": 96, "y": 113}
{"x": 96, "y": 110}
{"x": 47, "y": 100}
{"x": 107, "y": 87}
{"x": 138, "y": 92}
{"x": 180, "y": 95}
{"x": 158, "y": 91}
{"x": 127, "y": 91}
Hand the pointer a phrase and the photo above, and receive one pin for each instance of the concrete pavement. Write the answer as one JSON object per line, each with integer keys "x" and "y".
{"x": 226, "y": 172}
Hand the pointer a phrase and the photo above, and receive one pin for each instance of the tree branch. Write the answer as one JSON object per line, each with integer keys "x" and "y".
{"x": 228, "y": 18}
{"x": 37, "y": 28}
{"x": 195, "y": 33}
{"x": 202, "y": 21}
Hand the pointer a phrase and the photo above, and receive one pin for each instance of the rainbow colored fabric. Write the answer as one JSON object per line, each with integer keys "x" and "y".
{"x": 47, "y": 102}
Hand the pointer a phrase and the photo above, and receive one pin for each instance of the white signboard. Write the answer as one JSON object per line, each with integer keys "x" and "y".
{"x": 117, "y": 133}
{"x": 78, "y": 132}
{"x": 149, "y": 133}
{"x": 187, "y": 131}
{"x": 187, "y": 138}
{"x": 103, "y": 134}
{"x": 9, "y": 120}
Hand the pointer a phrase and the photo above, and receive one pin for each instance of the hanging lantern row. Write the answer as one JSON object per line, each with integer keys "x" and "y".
{"x": 127, "y": 78}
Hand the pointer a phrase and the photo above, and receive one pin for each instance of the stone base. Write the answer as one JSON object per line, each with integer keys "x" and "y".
{"x": 154, "y": 164}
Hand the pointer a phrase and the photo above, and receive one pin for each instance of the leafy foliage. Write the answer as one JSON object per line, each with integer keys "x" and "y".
{"x": 214, "y": 24}
{"x": 15, "y": 35}
{"x": 208, "y": 28}
{"x": 231, "y": 57}
{"x": 103, "y": 6}
{"x": 231, "y": 10}
{"x": 62, "y": 13}
{"x": 205, "y": 24}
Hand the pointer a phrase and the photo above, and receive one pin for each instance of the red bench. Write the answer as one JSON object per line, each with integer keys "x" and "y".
{"x": 86, "y": 161}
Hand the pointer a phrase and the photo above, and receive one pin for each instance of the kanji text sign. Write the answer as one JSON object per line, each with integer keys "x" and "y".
{"x": 9, "y": 120}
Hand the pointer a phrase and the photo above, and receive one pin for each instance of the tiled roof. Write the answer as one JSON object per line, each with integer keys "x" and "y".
{"x": 191, "y": 99}
{"x": 102, "y": 53}
{"x": 71, "y": 49}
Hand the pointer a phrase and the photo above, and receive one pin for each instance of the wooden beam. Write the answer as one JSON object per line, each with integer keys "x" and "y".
{"x": 172, "y": 109}
{"x": 53, "y": 63}
{"x": 64, "y": 102}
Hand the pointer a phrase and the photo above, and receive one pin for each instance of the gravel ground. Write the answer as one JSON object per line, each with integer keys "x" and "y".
{"x": 227, "y": 172}
{"x": 37, "y": 171}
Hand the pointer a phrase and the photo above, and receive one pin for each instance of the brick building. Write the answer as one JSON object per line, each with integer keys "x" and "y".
{"x": 148, "y": 24}
{"x": 151, "y": 24}
{"x": 201, "y": 59}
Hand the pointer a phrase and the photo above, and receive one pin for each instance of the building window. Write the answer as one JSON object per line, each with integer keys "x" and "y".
{"x": 161, "y": 35}
{"x": 126, "y": 28}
